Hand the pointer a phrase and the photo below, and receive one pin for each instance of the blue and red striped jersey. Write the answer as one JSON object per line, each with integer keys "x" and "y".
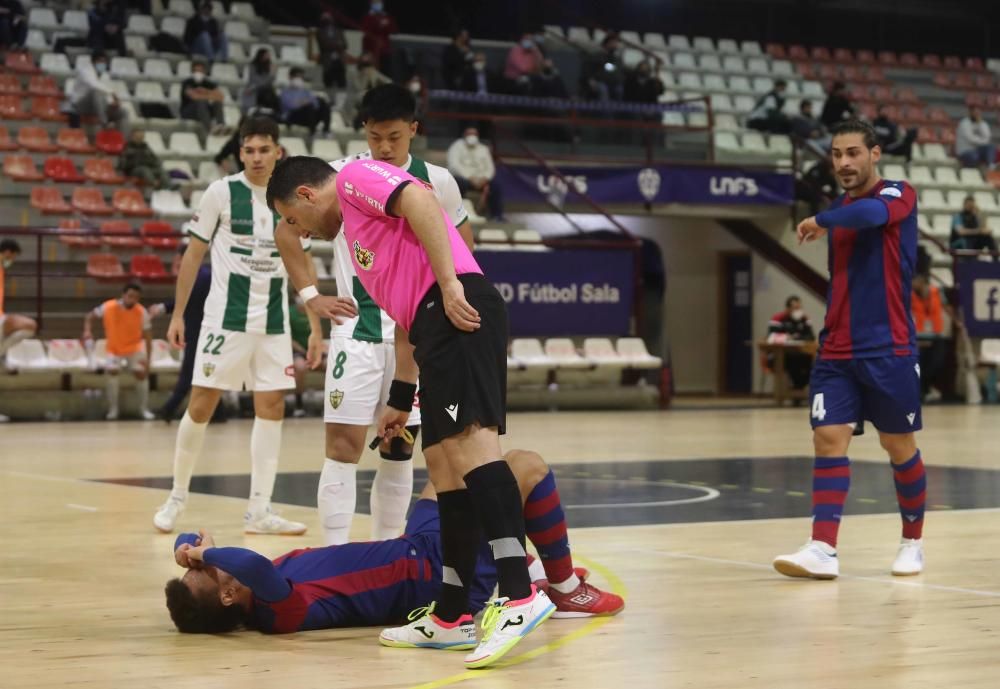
{"x": 871, "y": 268}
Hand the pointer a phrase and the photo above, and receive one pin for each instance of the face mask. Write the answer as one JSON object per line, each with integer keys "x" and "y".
{"x": 101, "y": 67}
{"x": 471, "y": 140}
{"x": 414, "y": 87}
{"x": 479, "y": 66}
{"x": 198, "y": 77}
{"x": 797, "y": 315}
{"x": 527, "y": 44}
{"x": 298, "y": 83}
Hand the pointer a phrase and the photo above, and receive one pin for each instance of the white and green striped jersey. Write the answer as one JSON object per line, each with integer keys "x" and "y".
{"x": 372, "y": 324}
{"x": 249, "y": 283}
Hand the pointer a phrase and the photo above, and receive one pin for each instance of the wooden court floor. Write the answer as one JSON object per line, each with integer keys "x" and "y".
{"x": 82, "y": 570}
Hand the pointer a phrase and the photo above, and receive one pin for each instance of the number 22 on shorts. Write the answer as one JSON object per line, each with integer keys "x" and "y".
{"x": 217, "y": 341}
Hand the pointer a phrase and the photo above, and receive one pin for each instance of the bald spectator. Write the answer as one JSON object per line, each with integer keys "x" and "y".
{"x": 471, "y": 163}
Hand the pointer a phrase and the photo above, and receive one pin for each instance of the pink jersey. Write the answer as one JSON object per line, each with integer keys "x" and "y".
{"x": 392, "y": 265}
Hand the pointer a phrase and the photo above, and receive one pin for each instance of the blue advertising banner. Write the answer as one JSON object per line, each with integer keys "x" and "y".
{"x": 979, "y": 292}
{"x": 659, "y": 184}
{"x": 564, "y": 291}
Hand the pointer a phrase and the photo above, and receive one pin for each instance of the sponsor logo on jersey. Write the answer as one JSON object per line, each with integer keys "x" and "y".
{"x": 394, "y": 180}
{"x": 208, "y": 369}
{"x": 364, "y": 257}
{"x": 452, "y": 411}
{"x": 348, "y": 188}
{"x": 891, "y": 191}
{"x": 336, "y": 397}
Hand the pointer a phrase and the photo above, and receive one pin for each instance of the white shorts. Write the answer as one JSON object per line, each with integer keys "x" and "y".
{"x": 130, "y": 362}
{"x": 358, "y": 376}
{"x": 231, "y": 360}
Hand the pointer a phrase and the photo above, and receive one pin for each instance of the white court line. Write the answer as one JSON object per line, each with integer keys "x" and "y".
{"x": 85, "y": 508}
{"x": 710, "y": 494}
{"x": 854, "y": 577}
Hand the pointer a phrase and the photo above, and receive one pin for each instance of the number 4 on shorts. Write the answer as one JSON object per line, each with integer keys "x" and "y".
{"x": 818, "y": 410}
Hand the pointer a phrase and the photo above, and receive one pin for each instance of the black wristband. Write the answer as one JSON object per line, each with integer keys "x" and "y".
{"x": 401, "y": 395}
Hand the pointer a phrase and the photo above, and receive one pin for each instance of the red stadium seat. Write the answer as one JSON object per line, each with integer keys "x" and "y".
{"x": 952, "y": 62}
{"x": 22, "y": 63}
{"x": 943, "y": 79}
{"x": 110, "y": 141}
{"x": 49, "y": 201}
{"x": 12, "y": 108}
{"x": 36, "y": 139}
{"x": 891, "y": 111}
{"x": 73, "y": 140}
{"x": 975, "y": 64}
{"x": 882, "y": 94}
{"x": 938, "y": 116}
{"x": 44, "y": 85}
{"x": 131, "y": 202}
{"x": 875, "y": 75}
{"x": 105, "y": 267}
{"x": 806, "y": 70}
{"x": 21, "y": 169}
{"x": 909, "y": 60}
{"x": 865, "y": 57}
{"x": 947, "y": 136}
{"x": 62, "y": 170}
{"x": 851, "y": 74}
{"x": 915, "y": 114}
{"x": 102, "y": 171}
{"x": 963, "y": 80}
{"x": 931, "y": 61}
{"x": 843, "y": 56}
{"x": 828, "y": 72}
{"x": 868, "y": 111}
{"x": 119, "y": 233}
{"x": 776, "y": 50}
{"x": 985, "y": 82}
{"x": 798, "y": 52}
{"x": 159, "y": 235}
{"x": 887, "y": 58}
{"x": 77, "y": 241}
{"x": 928, "y": 135}
{"x": 6, "y": 143}
{"x": 821, "y": 54}
{"x": 976, "y": 98}
{"x": 47, "y": 109}
{"x": 149, "y": 267}
{"x": 90, "y": 201}
{"x": 906, "y": 95}
{"x": 10, "y": 85}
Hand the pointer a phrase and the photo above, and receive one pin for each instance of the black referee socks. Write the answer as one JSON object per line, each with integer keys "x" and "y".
{"x": 497, "y": 500}
{"x": 461, "y": 535}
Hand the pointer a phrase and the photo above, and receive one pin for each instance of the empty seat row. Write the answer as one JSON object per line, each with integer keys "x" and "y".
{"x": 939, "y": 224}
{"x": 495, "y": 239}
{"x": 38, "y": 85}
{"x": 848, "y": 73}
{"x": 951, "y": 201}
{"x": 730, "y": 64}
{"x": 886, "y": 58}
{"x": 752, "y": 143}
{"x": 22, "y": 168}
{"x": 44, "y": 108}
{"x": 89, "y": 201}
{"x": 70, "y": 355}
{"x": 156, "y": 69}
{"x": 76, "y": 21}
{"x": 921, "y": 176}
{"x": 118, "y": 234}
{"x": 532, "y": 362}
{"x": 738, "y": 84}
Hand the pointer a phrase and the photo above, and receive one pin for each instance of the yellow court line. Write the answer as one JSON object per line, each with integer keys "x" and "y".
{"x": 616, "y": 586}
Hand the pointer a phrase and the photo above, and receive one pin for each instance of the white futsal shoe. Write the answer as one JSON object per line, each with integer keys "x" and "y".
{"x": 910, "y": 558}
{"x": 270, "y": 522}
{"x": 425, "y": 630}
{"x": 505, "y": 623}
{"x": 167, "y": 515}
{"x": 815, "y": 559}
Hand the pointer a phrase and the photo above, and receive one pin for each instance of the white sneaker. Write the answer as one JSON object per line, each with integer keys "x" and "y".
{"x": 147, "y": 415}
{"x": 425, "y": 630}
{"x": 112, "y": 415}
{"x": 167, "y": 515}
{"x": 4, "y": 419}
{"x": 270, "y": 522}
{"x": 910, "y": 558}
{"x": 506, "y": 622}
{"x": 815, "y": 559}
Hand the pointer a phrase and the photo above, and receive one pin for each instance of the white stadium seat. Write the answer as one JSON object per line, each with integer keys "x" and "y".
{"x": 140, "y": 25}
{"x": 27, "y": 355}
{"x": 633, "y": 349}
{"x": 163, "y": 358}
{"x": 327, "y": 149}
{"x": 609, "y": 363}
{"x": 68, "y": 355}
{"x": 169, "y": 204}
{"x": 571, "y": 368}
{"x": 493, "y": 240}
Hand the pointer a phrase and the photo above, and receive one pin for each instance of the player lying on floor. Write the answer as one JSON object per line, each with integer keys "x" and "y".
{"x": 377, "y": 582}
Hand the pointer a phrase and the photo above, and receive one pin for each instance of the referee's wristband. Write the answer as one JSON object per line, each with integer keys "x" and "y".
{"x": 401, "y": 395}
{"x": 308, "y": 293}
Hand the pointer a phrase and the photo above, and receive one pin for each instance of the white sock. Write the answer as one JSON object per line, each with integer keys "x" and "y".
{"x": 142, "y": 389}
{"x": 113, "y": 386}
{"x": 12, "y": 339}
{"x": 567, "y": 586}
{"x": 391, "y": 493}
{"x": 190, "y": 438}
{"x": 336, "y": 499}
{"x": 265, "y": 446}
{"x": 536, "y": 570}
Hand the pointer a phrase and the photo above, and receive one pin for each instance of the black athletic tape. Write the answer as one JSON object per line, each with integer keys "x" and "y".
{"x": 405, "y": 434}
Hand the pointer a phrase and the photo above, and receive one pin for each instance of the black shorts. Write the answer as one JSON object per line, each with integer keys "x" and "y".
{"x": 463, "y": 376}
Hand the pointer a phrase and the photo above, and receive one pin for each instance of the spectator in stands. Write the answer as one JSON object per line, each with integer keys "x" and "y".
{"x": 260, "y": 77}
{"x": 204, "y": 36}
{"x": 818, "y": 186}
{"x": 365, "y": 77}
{"x": 767, "y": 115}
{"x": 891, "y": 138}
{"x": 478, "y": 78}
{"x": 838, "y": 106}
{"x": 927, "y": 305}
{"x": 13, "y": 25}
{"x": 973, "y": 141}
{"x": 332, "y": 56}
{"x": 378, "y": 27}
{"x": 127, "y": 327}
{"x": 299, "y": 105}
{"x": 603, "y": 74}
{"x": 201, "y": 98}
{"x": 92, "y": 95}
{"x": 138, "y": 160}
{"x": 550, "y": 84}
{"x": 810, "y": 131}
{"x": 471, "y": 163}
{"x": 455, "y": 58}
{"x": 13, "y": 327}
{"x": 969, "y": 231}
{"x": 524, "y": 62}
{"x": 792, "y": 325}
{"x": 107, "y": 26}
{"x": 643, "y": 85}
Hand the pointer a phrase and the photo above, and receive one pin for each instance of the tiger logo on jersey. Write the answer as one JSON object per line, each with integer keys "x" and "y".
{"x": 336, "y": 398}
{"x": 364, "y": 257}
